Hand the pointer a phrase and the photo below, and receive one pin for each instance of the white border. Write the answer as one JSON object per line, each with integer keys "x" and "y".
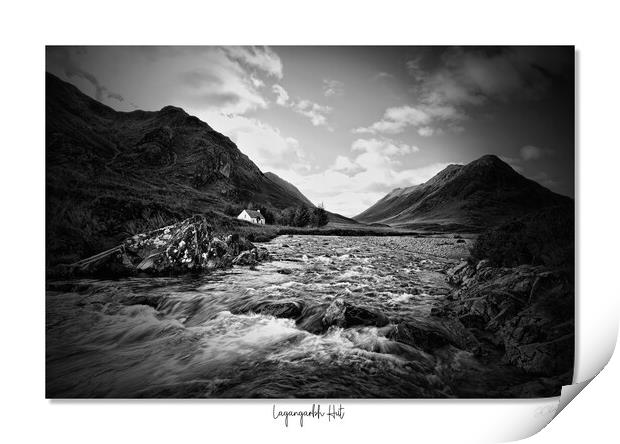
{"x": 28, "y": 26}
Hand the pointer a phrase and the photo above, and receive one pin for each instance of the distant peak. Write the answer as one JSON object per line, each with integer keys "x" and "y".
{"x": 172, "y": 109}
{"x": 489, "y": 159}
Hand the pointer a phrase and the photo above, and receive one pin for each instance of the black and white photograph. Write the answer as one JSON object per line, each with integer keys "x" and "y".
{"x": 393, "y": 222}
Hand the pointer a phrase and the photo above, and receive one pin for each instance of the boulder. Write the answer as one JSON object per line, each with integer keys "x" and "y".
{"x": 148, "y": 263}
{"x": 262, "y": 254}
{"x": 232, "y": 238}
{"x": 237, "y": 244}
{"x": 339, "y": 313}
{"x": 183, "y": 247}
{"x": 459, "y": 272}
{"x": 176, "y": 248}
{"x": 431, "y": 333}
{"x": 217, "y": 248}
{"x": 335, "y": 314}
{"x": 280, "y": 309}
{"x": 245, "y": 258}
{"x": 226, "y": 261}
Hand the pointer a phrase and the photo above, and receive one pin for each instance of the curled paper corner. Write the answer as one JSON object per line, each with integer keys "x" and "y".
{"x": 569, "y": 392}
{"x": 593, "y": 360}
{"x": 544, "y": 413}
{"x": 555, "y": 406}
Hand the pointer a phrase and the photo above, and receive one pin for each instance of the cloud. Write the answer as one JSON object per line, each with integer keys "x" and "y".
{"x": 282, "y": 95}
{"x": 264, "y": 144}
{"x": 315, "y": 112}
{"x": 229, "y": 80}
{"x": 383, "y": 75}
{"x": 531, "y": 152}
{"x": 115, "y": 96}
{"x": 395, "y": 120}
{"x": 448, "y": 88}
{"x": 426, "y": 131}
{"x": 473, "y": 76}
{"x": 414, "y": 68}
{"x": 384, "y": 147}
{"x": 353, "y": 183}
{"x": 332, "y": 88}
{"x": 226, "y": 80}
{"x": 344, "y": 165}
{"x": 198, "y": 78}
{"x": 350, "y": 194}
{"x": 258, "y": 83}
{"x": 261, "y": 58}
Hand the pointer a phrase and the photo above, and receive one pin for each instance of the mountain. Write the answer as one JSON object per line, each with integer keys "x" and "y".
{"x": 110, "y": 174}
{"x": 292, "y": 189}
{"x": 482, "y": 193}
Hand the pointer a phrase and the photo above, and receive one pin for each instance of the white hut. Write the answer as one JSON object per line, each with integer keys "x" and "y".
{"x": 253, "y": 216}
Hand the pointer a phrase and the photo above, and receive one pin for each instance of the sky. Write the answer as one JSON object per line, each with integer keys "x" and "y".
{"x": 346, "y": 125}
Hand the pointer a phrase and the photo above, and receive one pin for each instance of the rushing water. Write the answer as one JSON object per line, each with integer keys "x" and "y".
{"x": 196, "y": 336}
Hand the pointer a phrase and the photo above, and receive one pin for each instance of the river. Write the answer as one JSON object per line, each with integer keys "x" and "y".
{"x": 197, "y": 336}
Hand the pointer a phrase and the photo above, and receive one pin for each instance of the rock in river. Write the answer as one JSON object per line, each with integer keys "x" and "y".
{"x": 339, "y": 313}
{"x": 430, "y": 333}
{"x": 186, "y": 246}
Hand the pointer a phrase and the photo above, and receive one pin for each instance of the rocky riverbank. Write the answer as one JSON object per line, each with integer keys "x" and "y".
{"x": 187, "y": 246}
{"x": 527, "y": 312}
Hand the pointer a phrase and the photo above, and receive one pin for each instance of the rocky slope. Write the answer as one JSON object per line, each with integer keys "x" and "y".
{"x": 110, "y": 174}
{"x": 482, "y": 193}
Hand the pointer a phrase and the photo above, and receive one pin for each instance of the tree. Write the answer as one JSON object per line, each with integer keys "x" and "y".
{"x": 267, "y": 214}
{"x": 319, "y": 216}
{"x": 286, "y": 216}
{"x": 231, "y": 210}
{"x": 302, "y": 216}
